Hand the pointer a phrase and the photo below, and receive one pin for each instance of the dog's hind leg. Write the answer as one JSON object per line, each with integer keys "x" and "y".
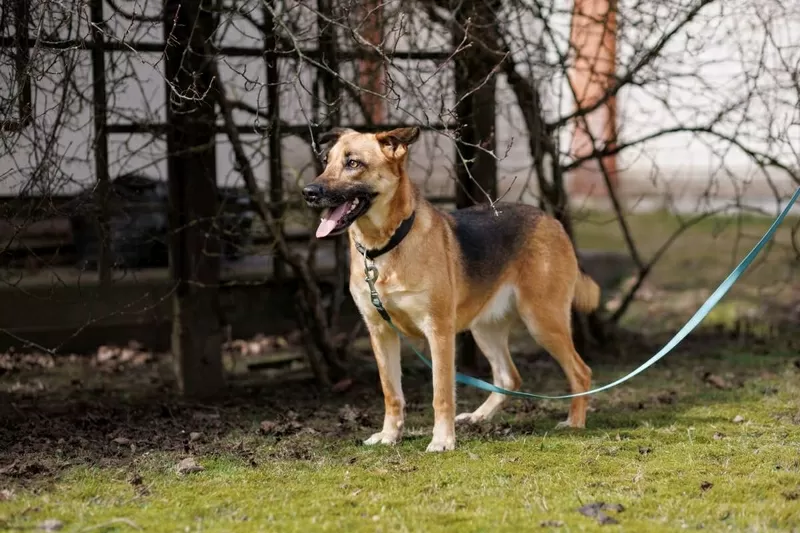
{"x": 386, "y": 345}
{"x": 550, "y": 327}
{"x": 492, "y": 339}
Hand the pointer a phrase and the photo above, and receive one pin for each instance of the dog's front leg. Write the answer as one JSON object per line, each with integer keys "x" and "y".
{"x": 441, "y": 338}
{"x": 386, "y": 345}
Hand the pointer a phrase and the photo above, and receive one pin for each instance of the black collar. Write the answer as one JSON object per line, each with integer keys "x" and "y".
{"x": 398, "y": 236}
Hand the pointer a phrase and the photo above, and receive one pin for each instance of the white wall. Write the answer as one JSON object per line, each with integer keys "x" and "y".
{"x": 720, "y": 56}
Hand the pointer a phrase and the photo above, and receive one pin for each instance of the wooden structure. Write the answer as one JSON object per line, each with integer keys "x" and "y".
{"x": 191, "y": 130}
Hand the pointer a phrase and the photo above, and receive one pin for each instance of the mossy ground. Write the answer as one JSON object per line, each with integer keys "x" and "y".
{"x": 668, "y": 447}
{"x": 708, "y": 439}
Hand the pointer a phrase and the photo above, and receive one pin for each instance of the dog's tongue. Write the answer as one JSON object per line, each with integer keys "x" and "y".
{"x": 329, "y": 219}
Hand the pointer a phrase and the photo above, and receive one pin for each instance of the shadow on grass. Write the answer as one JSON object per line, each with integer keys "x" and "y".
{"x": 75, "y": 413}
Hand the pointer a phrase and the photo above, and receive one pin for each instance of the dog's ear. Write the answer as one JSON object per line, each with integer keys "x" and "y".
{"x": 394, "y": 143}
{"x": 332, "y": 135}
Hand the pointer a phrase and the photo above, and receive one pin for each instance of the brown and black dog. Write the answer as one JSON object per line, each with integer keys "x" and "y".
{"x": 483, "y": 268}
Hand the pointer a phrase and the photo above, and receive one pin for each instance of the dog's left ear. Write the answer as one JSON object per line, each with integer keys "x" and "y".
{"x": 394, "y": 143}
{"x": 332, "y": 135}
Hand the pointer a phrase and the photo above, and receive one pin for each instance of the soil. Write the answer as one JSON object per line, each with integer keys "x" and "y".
{"x": 60, "y": 411}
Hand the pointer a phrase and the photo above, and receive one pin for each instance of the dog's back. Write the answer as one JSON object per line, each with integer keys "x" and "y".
{"x": 490, "y": 237}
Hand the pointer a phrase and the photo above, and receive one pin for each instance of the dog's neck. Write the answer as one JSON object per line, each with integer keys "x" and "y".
{"x": 375, "y": 229}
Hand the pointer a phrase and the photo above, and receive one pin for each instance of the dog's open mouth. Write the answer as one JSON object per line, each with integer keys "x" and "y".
{"x": 336, "y": 220}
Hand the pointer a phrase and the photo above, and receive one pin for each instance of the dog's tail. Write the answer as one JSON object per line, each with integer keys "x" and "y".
{"x": 587, "y": 294}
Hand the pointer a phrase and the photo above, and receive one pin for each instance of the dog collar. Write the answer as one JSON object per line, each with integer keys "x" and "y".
{"x": 398, "y": 236}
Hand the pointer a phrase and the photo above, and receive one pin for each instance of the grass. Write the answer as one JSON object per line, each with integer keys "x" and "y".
{"x": 668, "y": 447}
{"x": 697, "y": 262}
{"x": 707, "y": 439}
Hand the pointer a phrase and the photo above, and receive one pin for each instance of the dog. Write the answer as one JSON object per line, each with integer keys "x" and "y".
{"x": 482, "y": 269}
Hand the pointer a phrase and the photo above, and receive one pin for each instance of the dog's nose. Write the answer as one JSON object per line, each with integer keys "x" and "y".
{"x": 312, "y": 193}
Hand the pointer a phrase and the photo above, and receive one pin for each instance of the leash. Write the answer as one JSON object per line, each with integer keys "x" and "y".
{"x": 371, "y": 276}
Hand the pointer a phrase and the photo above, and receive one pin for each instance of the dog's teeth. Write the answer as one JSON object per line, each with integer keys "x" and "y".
{"x": 355, "y": 202}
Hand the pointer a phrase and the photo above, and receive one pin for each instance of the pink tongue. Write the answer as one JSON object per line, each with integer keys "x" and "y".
{"x": 330, "y": 218}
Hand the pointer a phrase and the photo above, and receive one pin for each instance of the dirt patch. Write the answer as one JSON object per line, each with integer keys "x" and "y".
{"x": 110, "y": 408}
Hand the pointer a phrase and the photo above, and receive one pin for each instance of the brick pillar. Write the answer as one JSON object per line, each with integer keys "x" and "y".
{"x": 371, "y": 75}
{"x": 594, "y": 43}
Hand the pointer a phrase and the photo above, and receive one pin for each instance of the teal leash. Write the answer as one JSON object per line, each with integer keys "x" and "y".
{"x": 371, "y": 273}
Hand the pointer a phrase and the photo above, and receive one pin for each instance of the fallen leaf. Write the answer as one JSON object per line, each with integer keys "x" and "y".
{"x": 719, "y": 436}
{"x": 122, "y": 441}
{"x": 270, "y": 427}
{"x": 348, "y": 414}
{"x": 645, "y": 450}
{"x": 195, "y": 436}
{"x": 189, "y": 466}
{"x": 198, "y": 415}
{"x": 551, "y": 523}
{"x": 6, "y": 494}
{"x": 715, "y": 380}
{"x": 135, "y": 345}
{"x": 705, "y": 485}
{"x": 595, "y": 510}
{"x": 738, "y": 419}
{"x": 267, "y": 426}
{"x": 342, "y": 385}
{"x": 105, "y": 354}
{"x": 51, "y": 524}
{"x": 618, "y": 507}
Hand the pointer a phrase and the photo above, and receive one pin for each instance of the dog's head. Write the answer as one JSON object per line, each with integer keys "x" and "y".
{"x": 360, "y": 170}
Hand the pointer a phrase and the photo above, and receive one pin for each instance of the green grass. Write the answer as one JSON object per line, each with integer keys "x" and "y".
{"x": 708, "y": 250}
{"x": 664, "y": 445}
{"x": 652, "y": 455}
{"x": 697, "y": 262}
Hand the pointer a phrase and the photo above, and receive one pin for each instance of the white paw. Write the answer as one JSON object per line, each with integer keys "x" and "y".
{"x": 470, "y": 418}
{"x": 442, "y": 444}
{"x": 383, "y": 438}
{"x": 566, "y": 424}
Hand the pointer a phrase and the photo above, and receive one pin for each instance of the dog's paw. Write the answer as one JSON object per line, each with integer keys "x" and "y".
{"x": 568, "y": 424}
{"x": 442, "y": 444}
{"x": 470, "y": 418}
{"x": 383, "y": 438}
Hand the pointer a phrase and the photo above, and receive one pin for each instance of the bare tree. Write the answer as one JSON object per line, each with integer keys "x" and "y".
{"x": 562, "y": 104}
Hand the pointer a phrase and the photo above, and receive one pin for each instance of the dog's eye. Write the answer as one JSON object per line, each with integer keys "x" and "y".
{"x": 352, "y": 163}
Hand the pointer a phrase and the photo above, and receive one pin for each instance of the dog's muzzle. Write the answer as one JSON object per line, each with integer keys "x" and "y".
{"x": 313, "y": 193}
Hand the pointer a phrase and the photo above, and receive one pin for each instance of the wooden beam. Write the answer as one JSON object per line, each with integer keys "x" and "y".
{"x": 191, "y": 173}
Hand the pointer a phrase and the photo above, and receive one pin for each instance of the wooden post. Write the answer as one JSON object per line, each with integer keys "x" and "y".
{"x": 476, "y": 170}
{"x": 191, "y": 169}
{"x": 271, "y": 56}
{"x": 593, "y": 36}
{"x": 99, "y": 101}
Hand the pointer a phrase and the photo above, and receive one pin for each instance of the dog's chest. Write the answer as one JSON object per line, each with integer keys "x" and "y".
{"x": 406, "y": 304}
